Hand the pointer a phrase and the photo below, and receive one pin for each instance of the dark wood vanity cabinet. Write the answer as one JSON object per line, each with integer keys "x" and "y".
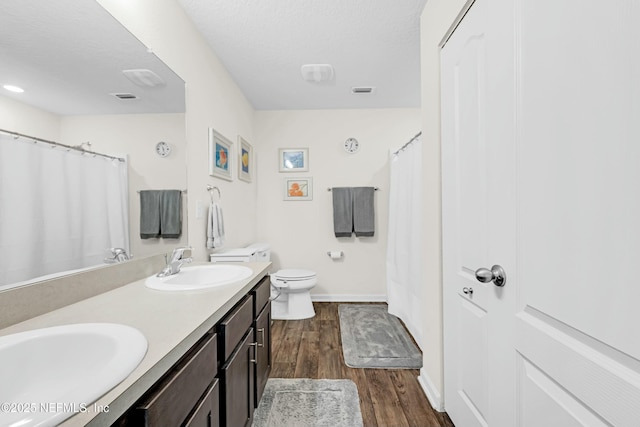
{"x": 237, "y": 352}
{"x": 220, "y": 380}
{"x": 186, "y": 396}
{"x": 244, "y": 374}
{"x": 237, "y": 377}
{"x": 262, "y": 327}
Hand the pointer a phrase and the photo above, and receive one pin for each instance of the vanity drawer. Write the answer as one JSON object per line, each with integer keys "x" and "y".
{"x": 174, "y": 397}
{"x": 261, "y": 294}
{"x": 234, "y": 326}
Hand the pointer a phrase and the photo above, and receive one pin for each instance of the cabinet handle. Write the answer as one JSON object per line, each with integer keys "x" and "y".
{"x": 261, "y": 330}
{"x": 255, "y": 352}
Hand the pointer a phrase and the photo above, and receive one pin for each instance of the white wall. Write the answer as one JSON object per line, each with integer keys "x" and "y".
{"x": 301, "y": 232}
{"x": 22, "y": 118}
{"x": 137, "y": 135}
{"x": 437, "y": 17}
{"x": 212, "y": 100}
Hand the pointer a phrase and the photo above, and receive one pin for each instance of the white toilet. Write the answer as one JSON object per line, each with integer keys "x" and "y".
{"x": 290, "y": 296}
{"x": 290, "y": 289}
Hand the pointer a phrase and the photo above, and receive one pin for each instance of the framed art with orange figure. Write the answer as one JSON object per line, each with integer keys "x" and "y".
{"x": 220, "y": 155}
{"x": 296, "y": 189}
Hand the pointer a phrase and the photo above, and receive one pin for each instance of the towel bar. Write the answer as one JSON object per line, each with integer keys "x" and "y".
{"x": 210, "y": 189}
{"x": 374, "y": 188}
{"x": 183, "y": 191}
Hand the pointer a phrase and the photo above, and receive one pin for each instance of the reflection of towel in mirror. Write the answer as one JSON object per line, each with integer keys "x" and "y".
{"x": 160, "y": 214}
{"x": 171, "y": 214}
{"x": 150, "y": 213}
{"x": 215, "y": 227}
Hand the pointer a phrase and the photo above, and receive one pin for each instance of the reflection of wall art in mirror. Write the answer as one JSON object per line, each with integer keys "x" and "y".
{"x": 245, "y": 160}
{"x": 220, "y": 152}
{"x": 293, "y": 159}
{"x": 298, "y": 189}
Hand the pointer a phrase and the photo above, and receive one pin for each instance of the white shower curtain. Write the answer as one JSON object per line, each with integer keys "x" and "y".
{"x": 404, "y": 280}
{"x": 59, "y": 209}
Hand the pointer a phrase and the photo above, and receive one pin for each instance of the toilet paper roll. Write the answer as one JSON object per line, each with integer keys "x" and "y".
{"x": 335, "y": 254}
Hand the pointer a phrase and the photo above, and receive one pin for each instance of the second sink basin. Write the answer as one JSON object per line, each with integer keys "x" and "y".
{"x": 200, "y": 277}
{"x": 47, "y": 375}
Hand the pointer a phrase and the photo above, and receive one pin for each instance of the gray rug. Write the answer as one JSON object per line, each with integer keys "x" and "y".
{"x": 373, "y": 338}
{"x": 308, "y": 403}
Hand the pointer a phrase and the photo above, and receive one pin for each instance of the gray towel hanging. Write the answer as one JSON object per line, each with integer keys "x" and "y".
{"x": 160, "y": 214}
{"x": 150, "y": 214}
{"x": 342, "y": 212}
{"x": 363, "y": 211}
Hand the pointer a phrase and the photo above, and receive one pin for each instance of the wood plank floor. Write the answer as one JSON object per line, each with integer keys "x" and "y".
{"x": 312, "y": 348}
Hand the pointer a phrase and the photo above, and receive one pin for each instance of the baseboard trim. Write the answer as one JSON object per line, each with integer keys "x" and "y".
{"x": 433, "y": 395}
{"x": 348, "y": 298}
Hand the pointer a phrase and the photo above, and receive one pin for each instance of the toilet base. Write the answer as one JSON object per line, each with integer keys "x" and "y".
{"x": 292, "y": 306}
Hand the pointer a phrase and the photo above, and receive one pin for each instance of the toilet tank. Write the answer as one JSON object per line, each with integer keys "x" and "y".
{"x": 258, "y": 252}
{"x": 262, "y": 251}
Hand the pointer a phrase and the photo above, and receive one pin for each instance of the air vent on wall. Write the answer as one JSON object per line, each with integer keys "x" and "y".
{"x": 362, "y": 89}
{"x": 124, "y": 95}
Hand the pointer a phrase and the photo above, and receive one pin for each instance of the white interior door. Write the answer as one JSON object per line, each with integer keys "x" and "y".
{"x": 478, "y": 222}
{"x": 577, "y": 343}
{"x": 541, "y": 123}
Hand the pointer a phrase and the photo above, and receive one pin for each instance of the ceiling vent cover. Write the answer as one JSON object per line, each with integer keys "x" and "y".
{"x": 143, "y": 77}
{"x": 124, "y": 95}
{"x": 362, "y": 89}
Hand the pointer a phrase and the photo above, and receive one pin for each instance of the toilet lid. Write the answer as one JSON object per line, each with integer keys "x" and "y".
{"x": 295, "y": 274}
{"x": 235, "y": 252}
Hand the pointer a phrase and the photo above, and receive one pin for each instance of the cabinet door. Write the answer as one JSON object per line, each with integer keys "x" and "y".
{"x": 207, "y": 413}
{"x": 263, "y": 338}
{"x": 238, "y": 384}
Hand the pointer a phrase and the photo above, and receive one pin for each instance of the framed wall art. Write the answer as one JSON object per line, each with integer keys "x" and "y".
{"x": 293, "y": 159}
{"x": 245, "y": 160}
{"x": 298, "y": 189}
{"x": 220, "y": 155}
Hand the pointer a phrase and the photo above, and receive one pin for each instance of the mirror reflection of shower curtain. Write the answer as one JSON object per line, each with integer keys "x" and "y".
{"x": 59, "y": 209}
{"x": 404, "y": 275}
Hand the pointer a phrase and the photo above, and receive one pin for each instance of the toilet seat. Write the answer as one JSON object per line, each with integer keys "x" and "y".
{"x": 294, "y": 279}
{"x": 294, "y": 274}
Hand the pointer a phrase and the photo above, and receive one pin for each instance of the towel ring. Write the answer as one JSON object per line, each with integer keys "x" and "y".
{"x": 210, "y": 189}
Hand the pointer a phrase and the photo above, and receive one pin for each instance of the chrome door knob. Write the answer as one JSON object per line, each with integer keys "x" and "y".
{"x": 495, "y": 275}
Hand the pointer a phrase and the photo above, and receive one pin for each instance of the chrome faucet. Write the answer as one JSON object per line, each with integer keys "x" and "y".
{"x": 178, "y": 257}
{"x": 116, "y": 255}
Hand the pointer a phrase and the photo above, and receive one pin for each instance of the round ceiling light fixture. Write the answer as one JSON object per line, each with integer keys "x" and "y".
{"x": 317, "y": 73}
{"x": 12, "y": 88}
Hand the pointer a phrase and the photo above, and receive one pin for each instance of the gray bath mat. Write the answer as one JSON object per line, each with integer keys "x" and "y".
{"x": 308, "y": 403}
{"x": 373, "y": 338}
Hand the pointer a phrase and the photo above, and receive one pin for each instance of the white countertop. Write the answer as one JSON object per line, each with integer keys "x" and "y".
{"x": 172, "y": 322}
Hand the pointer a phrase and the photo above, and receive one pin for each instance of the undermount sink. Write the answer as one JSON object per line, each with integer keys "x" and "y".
{"x": 200, "y": 277}
{"x": 50, "y": 374}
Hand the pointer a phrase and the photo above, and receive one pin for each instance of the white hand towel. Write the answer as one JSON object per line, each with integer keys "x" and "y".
{"x": 218, "y": 227}
{"x": 210, "y": 226}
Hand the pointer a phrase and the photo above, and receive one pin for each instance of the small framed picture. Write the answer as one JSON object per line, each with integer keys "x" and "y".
{"x": 245, "y": 159}
{"x": 298, "y": 189}
{"x": 293, "y": 159}
{"x": 220, "y": 152}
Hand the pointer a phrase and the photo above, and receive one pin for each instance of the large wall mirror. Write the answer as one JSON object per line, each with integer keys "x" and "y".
{"x": 89, "y": 84}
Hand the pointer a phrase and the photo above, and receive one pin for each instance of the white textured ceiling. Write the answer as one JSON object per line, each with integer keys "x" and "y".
{"x": 68, "y": 55}
{"x": 263, "y": 44}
